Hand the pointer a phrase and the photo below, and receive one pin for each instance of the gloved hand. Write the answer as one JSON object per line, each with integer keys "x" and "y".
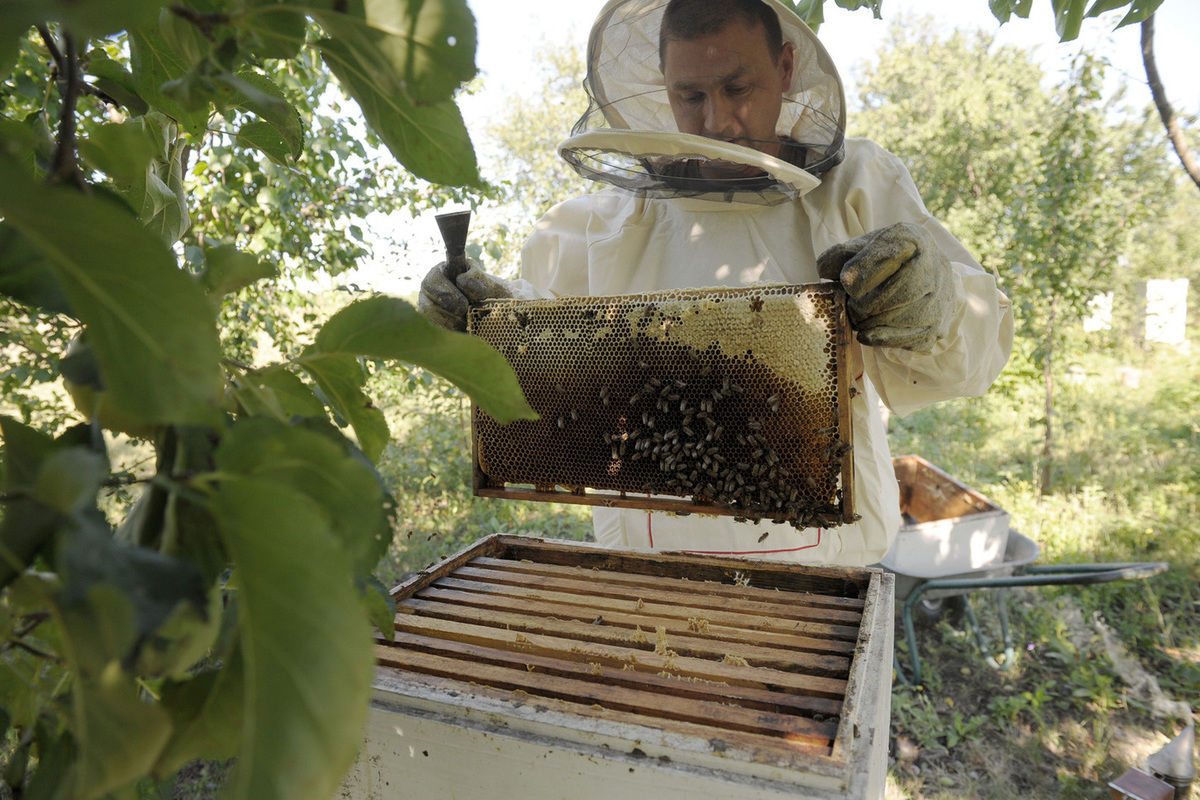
{"x": 899, "y": 286}
{"x": 450, "y": 288}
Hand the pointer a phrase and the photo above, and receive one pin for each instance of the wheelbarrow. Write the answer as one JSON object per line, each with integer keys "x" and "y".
{"x": 917, "y": 591}
{"x": 955, "y": 541}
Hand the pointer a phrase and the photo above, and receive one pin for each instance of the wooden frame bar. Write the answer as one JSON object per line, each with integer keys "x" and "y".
{"x": 568, "y": 487}
{"x": 728, "y": 677}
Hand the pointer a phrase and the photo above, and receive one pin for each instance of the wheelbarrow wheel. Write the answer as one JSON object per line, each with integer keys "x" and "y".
{"x": 934, "y": 608}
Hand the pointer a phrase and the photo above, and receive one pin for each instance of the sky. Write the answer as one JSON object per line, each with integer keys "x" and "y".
{"x": 510, "y": 33}
{"x": 853, "y": 36}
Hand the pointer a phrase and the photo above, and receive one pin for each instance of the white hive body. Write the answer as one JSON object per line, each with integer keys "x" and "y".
{"x": 545, "y": 670}
{"x": 732, "y": 401}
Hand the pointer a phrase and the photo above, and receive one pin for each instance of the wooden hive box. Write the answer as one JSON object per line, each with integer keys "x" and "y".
{"x": 526, "y": 668}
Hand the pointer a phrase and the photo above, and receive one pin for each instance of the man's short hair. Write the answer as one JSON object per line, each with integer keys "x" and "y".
{"x": 688, "y": 20}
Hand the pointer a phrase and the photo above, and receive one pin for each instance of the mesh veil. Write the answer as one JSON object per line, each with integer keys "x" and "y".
{"x": 628, "y": 136}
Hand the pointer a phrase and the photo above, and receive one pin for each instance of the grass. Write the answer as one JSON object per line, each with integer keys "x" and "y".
{"x": 428, "y": 468}
{"x": 1059, "y": 721}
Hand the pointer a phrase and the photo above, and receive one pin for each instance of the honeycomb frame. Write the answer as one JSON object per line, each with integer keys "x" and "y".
{"x": 713, "y": 401}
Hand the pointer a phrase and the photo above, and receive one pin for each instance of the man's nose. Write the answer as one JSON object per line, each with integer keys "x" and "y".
{"x": 718, "y": 118}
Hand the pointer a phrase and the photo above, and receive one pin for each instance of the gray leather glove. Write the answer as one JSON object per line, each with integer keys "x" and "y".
{"x": 899, "y": 286}
{"x": 451, "y": 288}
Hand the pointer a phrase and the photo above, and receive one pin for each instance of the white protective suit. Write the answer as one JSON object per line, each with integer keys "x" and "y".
{"x": 615, "y": 242}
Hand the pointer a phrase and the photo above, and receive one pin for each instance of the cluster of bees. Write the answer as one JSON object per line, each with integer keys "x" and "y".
{"x": 692, "y": 444}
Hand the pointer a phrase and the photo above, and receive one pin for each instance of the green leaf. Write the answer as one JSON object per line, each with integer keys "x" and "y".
{"x": 153, "y": 584}
{"x": 11, "y": 31}
{"x": 259, "y": 95}
{"x": 150, "y": 324}
{"x": 227, "y": 269}
{"x": 56, "y": 762}
{"x": 100, "y": 630}
{"x": 307, "y": 647}
{"x": 277, "y": 391}
{"x": 349, "y": 493}
{"x": 177, "y": 645}
{"x": 340, "y": 379}
{"x": 1068, "y": 17}
{"x": 811, "y": 11}
{"x": 279, "y": 32}
{"x": 18, "y": 761}
{"x": 381, "y": 607}
{"x": 25, "y": 450}
{"x": 854, "y": 5}
{"x": 184, "y": 38}
{"x": 87, "y": 20}
{"x": 207, "y": 715}
{"x": 25, "y": 276}
{"x": 1101, "y": 6}
{"x": 51, "y": 482}
{"x": 165, "y": 200}
{"x": 123, "y": 151}
{"x": 431, "y": 141}
{"x": 19, "y": 140}
{"x": 119, "y": 736}
{"x": 1139, "y": 11}
{"x": 113, "y": 79}
{"x": 26, "y": 526}
{"x": 1001, "y": 10}
{"x": 426, "y": 48}
{"x": 153, "y": 64}
{"x": 390, "y": 328}
{"x": 68, "y": 479}
{"x": 263, "y": 136}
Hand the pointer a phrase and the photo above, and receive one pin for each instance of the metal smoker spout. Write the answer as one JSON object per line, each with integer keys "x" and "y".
{"x": 454, "y": 227}
{"x": 1175, "y": 763}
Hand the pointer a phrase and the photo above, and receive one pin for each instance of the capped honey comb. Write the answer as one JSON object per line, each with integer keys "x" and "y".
{"x": 722, "y": 401}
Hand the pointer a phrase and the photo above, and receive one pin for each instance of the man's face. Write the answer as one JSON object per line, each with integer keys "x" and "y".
{"x": 727, "y": 86}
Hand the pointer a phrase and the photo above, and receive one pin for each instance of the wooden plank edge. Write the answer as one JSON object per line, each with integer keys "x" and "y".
{"x": 700, "y": 587}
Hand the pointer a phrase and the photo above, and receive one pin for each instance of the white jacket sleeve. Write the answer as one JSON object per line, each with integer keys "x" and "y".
{"x": 976, "y": 345}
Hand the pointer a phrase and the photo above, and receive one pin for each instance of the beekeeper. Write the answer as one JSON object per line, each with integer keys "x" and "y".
{"x": 720, "y": 125}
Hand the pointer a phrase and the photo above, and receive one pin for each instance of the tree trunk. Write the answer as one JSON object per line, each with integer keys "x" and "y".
{"x": 1174, "y": 131}
{"x": 1048, "y": 382}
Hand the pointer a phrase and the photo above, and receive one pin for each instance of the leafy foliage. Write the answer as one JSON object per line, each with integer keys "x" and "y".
{"x": 1047, "y": 188}
{"x": 158, "y": 164}
{"x": 533, "y": 176}
{"x": 1068, "y": 14}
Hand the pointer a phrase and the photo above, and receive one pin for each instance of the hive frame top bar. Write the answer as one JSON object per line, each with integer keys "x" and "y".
{"x": 575, "y": 669}
{"x": 731, "y": 401}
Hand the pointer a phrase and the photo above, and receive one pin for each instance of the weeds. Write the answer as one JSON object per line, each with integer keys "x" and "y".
{"x": 428, "y": 470}
{"x": 1126, "y": 489}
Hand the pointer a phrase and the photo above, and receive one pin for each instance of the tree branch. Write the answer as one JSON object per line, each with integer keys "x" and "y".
{"x": 60, "y": 61}
{"x": 1165, "y": 111}
{"x": 65, "y": 167}
{"x": 33, "y": 651}
{"x": 205, "y": 22}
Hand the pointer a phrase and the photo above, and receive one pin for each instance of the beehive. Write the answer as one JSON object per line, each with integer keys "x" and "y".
{"x": 536, "y": 669}
{"x": 726, "y": 401}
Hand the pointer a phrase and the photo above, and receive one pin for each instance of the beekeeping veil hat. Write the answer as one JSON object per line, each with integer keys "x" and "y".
{"x": 628, "y": 136}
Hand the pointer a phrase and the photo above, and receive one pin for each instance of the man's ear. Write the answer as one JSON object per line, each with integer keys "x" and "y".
{"x": 786, "y": 64}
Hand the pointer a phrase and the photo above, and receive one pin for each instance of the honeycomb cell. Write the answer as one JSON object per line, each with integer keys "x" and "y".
{"x": 735, "y": 399}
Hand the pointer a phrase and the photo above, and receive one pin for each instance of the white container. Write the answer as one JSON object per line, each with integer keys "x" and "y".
{"x": 949, "y": 528}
